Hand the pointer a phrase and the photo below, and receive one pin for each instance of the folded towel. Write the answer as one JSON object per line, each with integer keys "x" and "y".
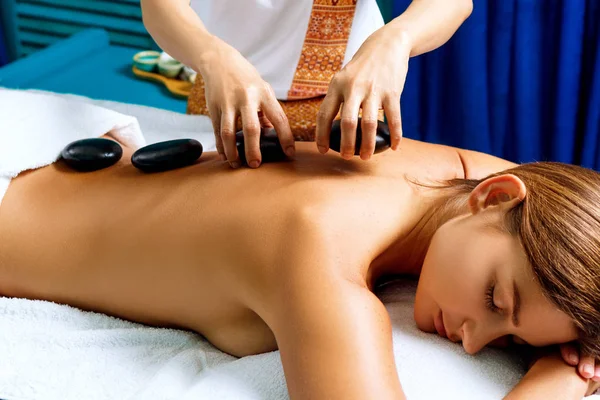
{"x": 157, "y": 124}
{"x": 35, "y": 127}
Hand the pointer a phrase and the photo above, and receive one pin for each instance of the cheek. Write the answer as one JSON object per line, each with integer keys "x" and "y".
{"x": 436, "y": 281}
{"x": 450, "y": 277}
{"x": 441, "y": 269}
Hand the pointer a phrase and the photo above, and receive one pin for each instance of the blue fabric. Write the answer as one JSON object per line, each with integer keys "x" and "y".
{"x": 520, "y": 80}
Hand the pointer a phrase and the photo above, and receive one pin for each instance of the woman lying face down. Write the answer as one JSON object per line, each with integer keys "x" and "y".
{"x": 289, "y": 255}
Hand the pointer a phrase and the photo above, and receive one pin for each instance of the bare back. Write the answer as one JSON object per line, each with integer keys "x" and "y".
{"x": 206, "y": 247}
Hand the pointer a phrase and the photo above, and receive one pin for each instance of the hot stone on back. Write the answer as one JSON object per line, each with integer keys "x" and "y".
{"x": 164, "y": 156}
{"x": 382, "y": 137}
{"x": 270, "y": 148}
{"x": 92, "y": 154}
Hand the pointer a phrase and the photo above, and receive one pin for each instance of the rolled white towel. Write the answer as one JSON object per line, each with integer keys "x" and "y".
{"x": 35, "y": 127}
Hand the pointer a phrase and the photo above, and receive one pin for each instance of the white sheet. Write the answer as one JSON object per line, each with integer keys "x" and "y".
{"x": 50, "y": 351}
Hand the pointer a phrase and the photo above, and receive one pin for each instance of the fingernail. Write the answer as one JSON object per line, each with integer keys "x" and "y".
{"x": 322, "y": 149}
{"x": 365, "y": 156}
{"x": 597, "y": 373}
{"x": 235, "y": 164}
{"x": 254, "y": 164}
{"x": 573, "y": 358}
{"x": 290, "y": 151}
{"x": 588, "y": 370}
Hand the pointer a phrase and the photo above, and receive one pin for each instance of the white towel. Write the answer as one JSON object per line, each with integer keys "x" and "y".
{"x": 50, "y": 351}
{"x": 35, "y": 127}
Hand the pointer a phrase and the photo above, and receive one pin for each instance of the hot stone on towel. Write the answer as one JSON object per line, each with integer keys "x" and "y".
{"x": 270, "y": 148}
{"x": 91, "y": 154}
{"x": 167, "y": 155}
{"x": 382, "y": 137}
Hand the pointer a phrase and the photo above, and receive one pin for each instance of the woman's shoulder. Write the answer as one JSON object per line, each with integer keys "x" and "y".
{"x": 477, "y": 165}
{"x": 447, "y": 162}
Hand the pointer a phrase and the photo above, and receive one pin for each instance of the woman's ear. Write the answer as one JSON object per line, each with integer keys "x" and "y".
{"x": 504, "y": 191}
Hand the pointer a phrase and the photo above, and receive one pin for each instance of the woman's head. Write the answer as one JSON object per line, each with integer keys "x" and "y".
{"x": 531, "y": 239}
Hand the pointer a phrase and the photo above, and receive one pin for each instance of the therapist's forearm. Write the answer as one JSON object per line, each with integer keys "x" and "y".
{"x": 178, "y": 30}
{"x": 550, "y": 378}
{"x": 428, "y": 24}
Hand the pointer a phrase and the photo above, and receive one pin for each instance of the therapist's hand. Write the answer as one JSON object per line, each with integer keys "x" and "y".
{"x": 372, "y": 80}
{"x": 233, "y": 87}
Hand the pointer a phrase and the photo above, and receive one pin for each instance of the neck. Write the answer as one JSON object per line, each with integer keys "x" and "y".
{"x": 406, "y": 254}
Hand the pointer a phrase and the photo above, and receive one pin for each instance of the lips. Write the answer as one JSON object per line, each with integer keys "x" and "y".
{"x": 439, "y": 325}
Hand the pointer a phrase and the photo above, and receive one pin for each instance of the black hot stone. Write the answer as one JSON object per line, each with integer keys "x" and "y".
{"x": 92, "y": 154}
{"x": 270, "y": 148}
{"x": 167, "y": 155}
{"x": 382, "y": 137}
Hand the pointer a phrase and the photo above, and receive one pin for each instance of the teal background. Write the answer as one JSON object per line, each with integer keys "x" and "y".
{"x": 83, "y": 47}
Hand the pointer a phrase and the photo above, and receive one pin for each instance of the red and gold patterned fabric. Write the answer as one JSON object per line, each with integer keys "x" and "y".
{"x": 324, "y": 47}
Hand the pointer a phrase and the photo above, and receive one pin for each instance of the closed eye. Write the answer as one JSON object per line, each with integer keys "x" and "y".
{"x": 489, "y": 299}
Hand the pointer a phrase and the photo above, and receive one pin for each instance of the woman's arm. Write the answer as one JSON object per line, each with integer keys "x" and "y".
{"x": 550, "y": 378}
{"x": 335, "y": 342}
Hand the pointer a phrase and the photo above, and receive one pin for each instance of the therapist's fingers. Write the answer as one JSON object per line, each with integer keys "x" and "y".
{"x": 228, "y": 136}
{"x": 327, "y": 112}
{"x": 263, "y": 120}
{"x": 370, "y": 109}
{"x": 215, "y": 118}
{"x": 273, "y": 111}
{"x": 348, "y": 126}
{"x": 251, "y": 128}
{"x": 587, "y": 367}
{"x": 391, "y": 107}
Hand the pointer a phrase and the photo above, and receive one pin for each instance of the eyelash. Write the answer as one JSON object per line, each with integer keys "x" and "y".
{"x": 489, "y": 299}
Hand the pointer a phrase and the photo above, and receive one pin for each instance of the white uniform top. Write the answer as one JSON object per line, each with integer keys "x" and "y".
{"x": 270, "y": 33}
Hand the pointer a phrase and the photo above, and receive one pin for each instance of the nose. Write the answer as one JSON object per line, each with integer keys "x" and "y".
{"x": 472, "y": 347}
{"x": 472, "y": 342}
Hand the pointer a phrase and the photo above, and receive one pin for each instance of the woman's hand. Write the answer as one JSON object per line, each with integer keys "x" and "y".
{"x": 374, "y": 79}
{"x": 588, "y": 367}
{"x": 549, "y": 377}
{"x": 234, "y": 88}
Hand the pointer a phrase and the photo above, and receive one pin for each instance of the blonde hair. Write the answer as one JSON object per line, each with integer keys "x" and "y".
{"x": 558, "y": 224}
